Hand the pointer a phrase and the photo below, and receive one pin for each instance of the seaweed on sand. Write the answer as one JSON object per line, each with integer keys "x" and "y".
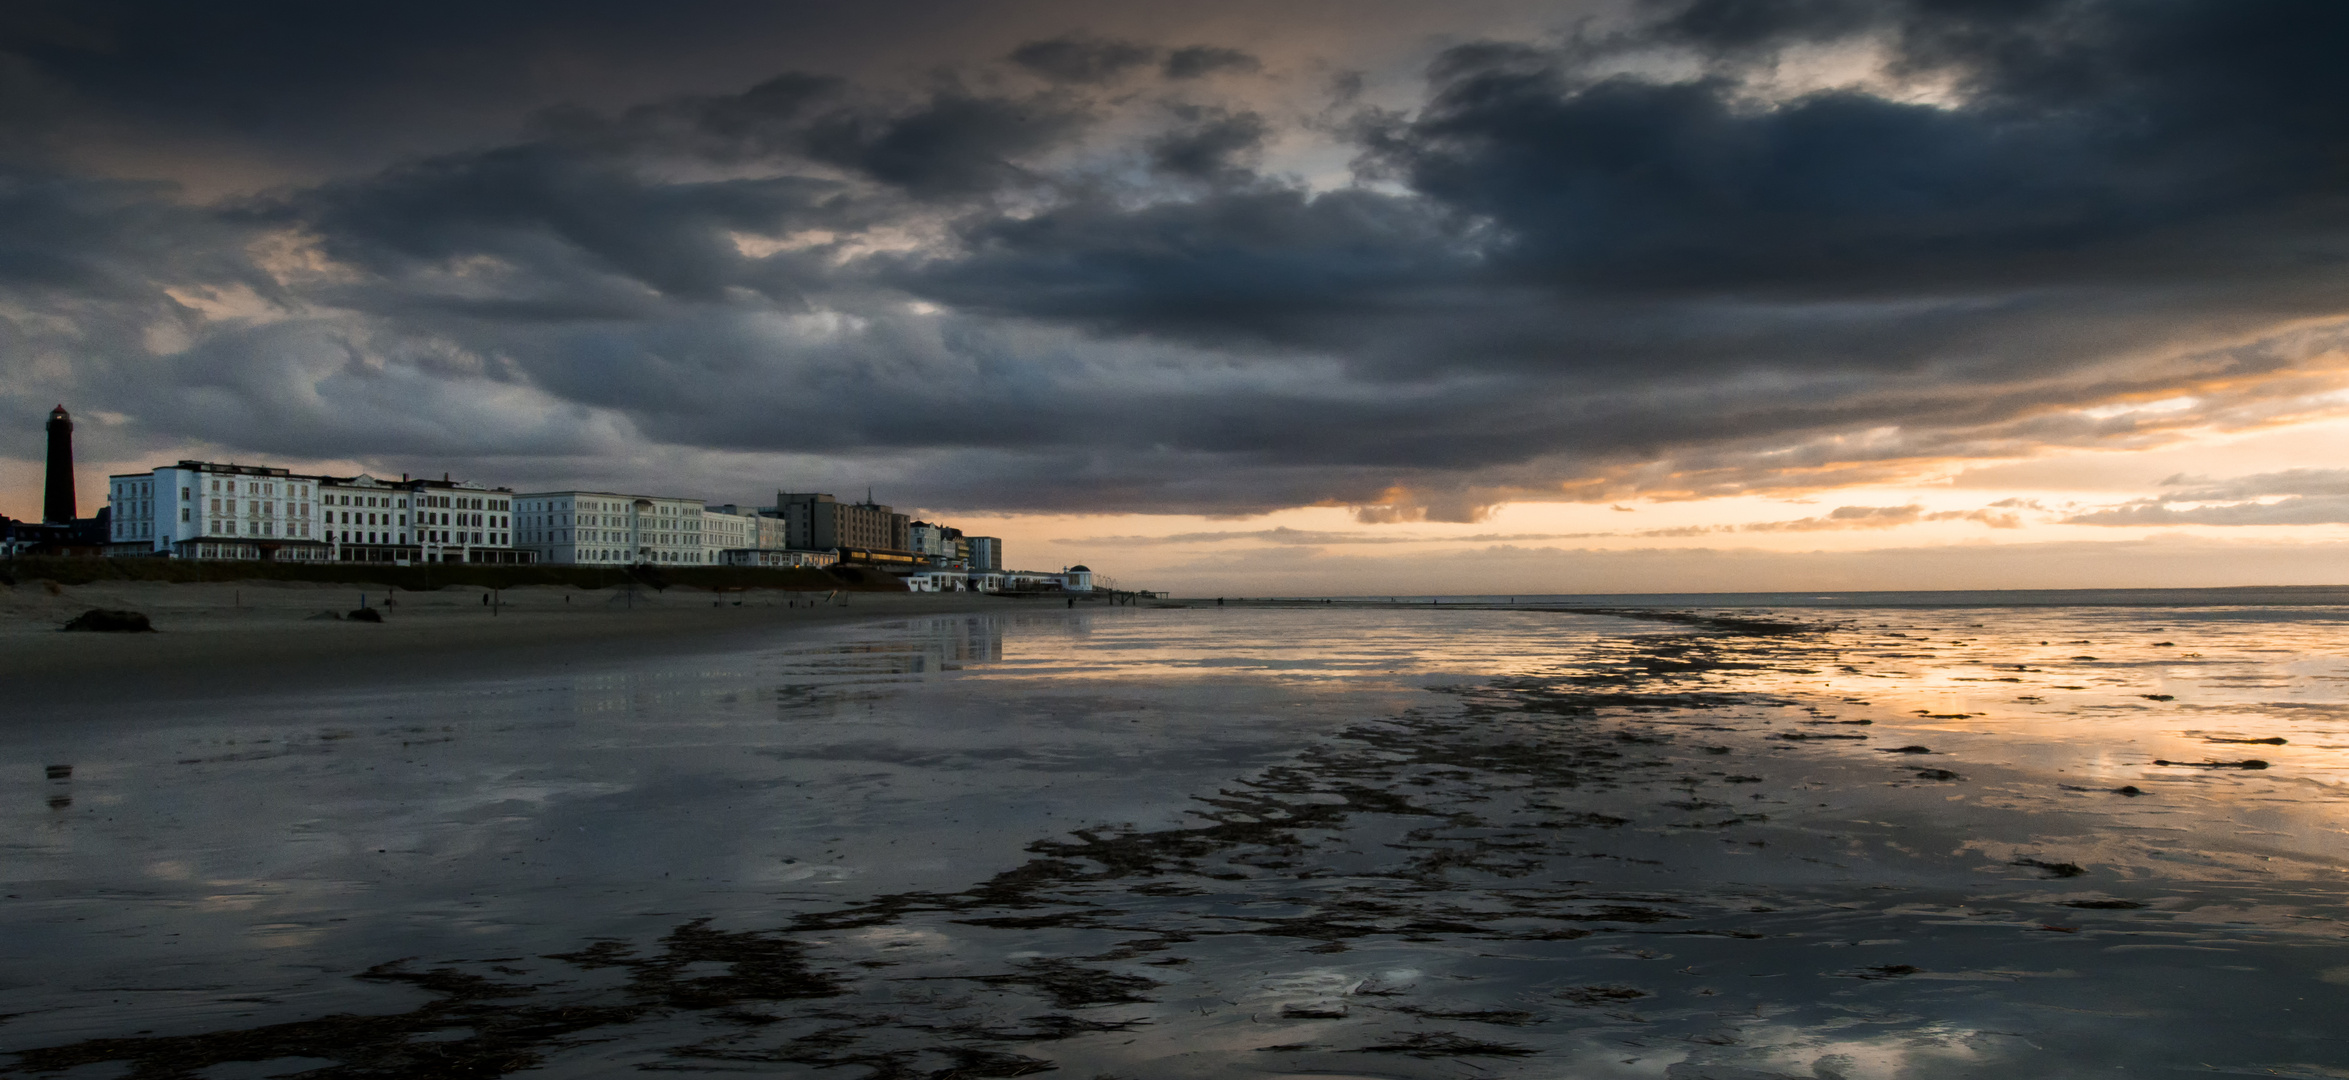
{"x": 1314, "y": 1012}
{"x": 1602, "y": 994}
{"x": 842, "y": 1045}
{"x": 1503, "y": 1017}
{"x": 1395, "y": 829}
{"x": 1742, "y": 625}
{"x": 505, "y": 1036}
{"x": 1444, "y": 1044}
{"x": 1071, "y": 986}
{"x": 759, "y": 966}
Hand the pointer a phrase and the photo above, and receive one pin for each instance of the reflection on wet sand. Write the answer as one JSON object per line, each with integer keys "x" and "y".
{"x": 1736, "y": 845}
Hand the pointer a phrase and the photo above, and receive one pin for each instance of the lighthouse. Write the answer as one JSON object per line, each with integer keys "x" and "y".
{"x": 57, "y": 505}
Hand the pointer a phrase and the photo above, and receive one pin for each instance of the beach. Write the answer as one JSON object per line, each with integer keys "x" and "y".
{"x": 216, "y": 639}
{"x": 1253, "y": 840}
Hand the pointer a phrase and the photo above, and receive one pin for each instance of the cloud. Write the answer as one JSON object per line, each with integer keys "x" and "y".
{"x": 1871, "y": 517}
{"x": 1316, "y": 538}
{"x": 1199, "y": 61}
{"x": 2180, "y": 562}
{"x": 1077, "y": 59}
{"x": 2329, "y": 510}
{"x": 2294, "y": 482}
{"x": 1841, "y": 518}
{"x": 1085, "y": 60}
{"x": 1217, "y": 144}
{"x": 1068, "y": 271}
{"x": 2291, "y": 497}
{"x": 1845, "y": 517}
{"x": 1986, "y": 517}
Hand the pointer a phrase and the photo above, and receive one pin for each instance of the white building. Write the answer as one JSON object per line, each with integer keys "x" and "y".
{"x": 744, "y": 536}
{"x": 1077, "y": 578}
{"x": 369, "y": 519}
{"x": 603, "y": 528}
{"x": 938, "y": 581}
{"x": 941, "y": 545}
{"x": 729, "y": 528}
{"x": 363, "y": 519}
{"x": 463, "y": 522}
{"x": 205, "y": 510}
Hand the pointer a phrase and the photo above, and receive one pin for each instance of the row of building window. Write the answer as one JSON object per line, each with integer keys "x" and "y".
{"x": 621, "y": 555}
{"x": 295, "y": 529}
{"x": 622, "y": 529}
{"x": 254, "y": 487}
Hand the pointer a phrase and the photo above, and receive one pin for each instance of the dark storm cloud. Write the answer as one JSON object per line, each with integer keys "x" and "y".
{"x": 1199, "y": 61}
{"x": 1075, "y": 272}
{"x": 580, "y": 225}
{"x": 1214, "y": 145}
{"x": 1269, "y": 263}
{"x": 955, "y": 145}
{"x": 563, "y": 216}
{"x": 314, "y": 87}
{"x": 1614, "y": 226}
{"x": 103, "y": 240}
{"x": 1075, "y": 59}
{"x": 1082, "y": 59}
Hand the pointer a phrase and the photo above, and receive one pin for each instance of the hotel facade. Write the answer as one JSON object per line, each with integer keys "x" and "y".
{"x": 210, "y": 510}
{"x": 604, "y": 528}
{"x": 207, "y": 510}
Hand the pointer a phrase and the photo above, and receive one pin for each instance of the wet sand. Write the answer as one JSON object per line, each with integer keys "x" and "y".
{"x": 1721, "y": 846}
{"x": 216, "y": 640}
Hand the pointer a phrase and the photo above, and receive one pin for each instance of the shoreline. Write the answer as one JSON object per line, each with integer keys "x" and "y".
{"x": 1890, "y": 599}
{"x": 225, "y": 639}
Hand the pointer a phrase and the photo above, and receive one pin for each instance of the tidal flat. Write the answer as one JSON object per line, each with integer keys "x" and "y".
{"x": 1187, "y": 842}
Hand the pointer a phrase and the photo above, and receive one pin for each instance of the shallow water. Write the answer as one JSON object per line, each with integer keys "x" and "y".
{"x": 1213, "y": 842}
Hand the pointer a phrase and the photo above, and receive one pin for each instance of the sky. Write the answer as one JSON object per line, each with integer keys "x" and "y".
{"x": 1251, "y": 298}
